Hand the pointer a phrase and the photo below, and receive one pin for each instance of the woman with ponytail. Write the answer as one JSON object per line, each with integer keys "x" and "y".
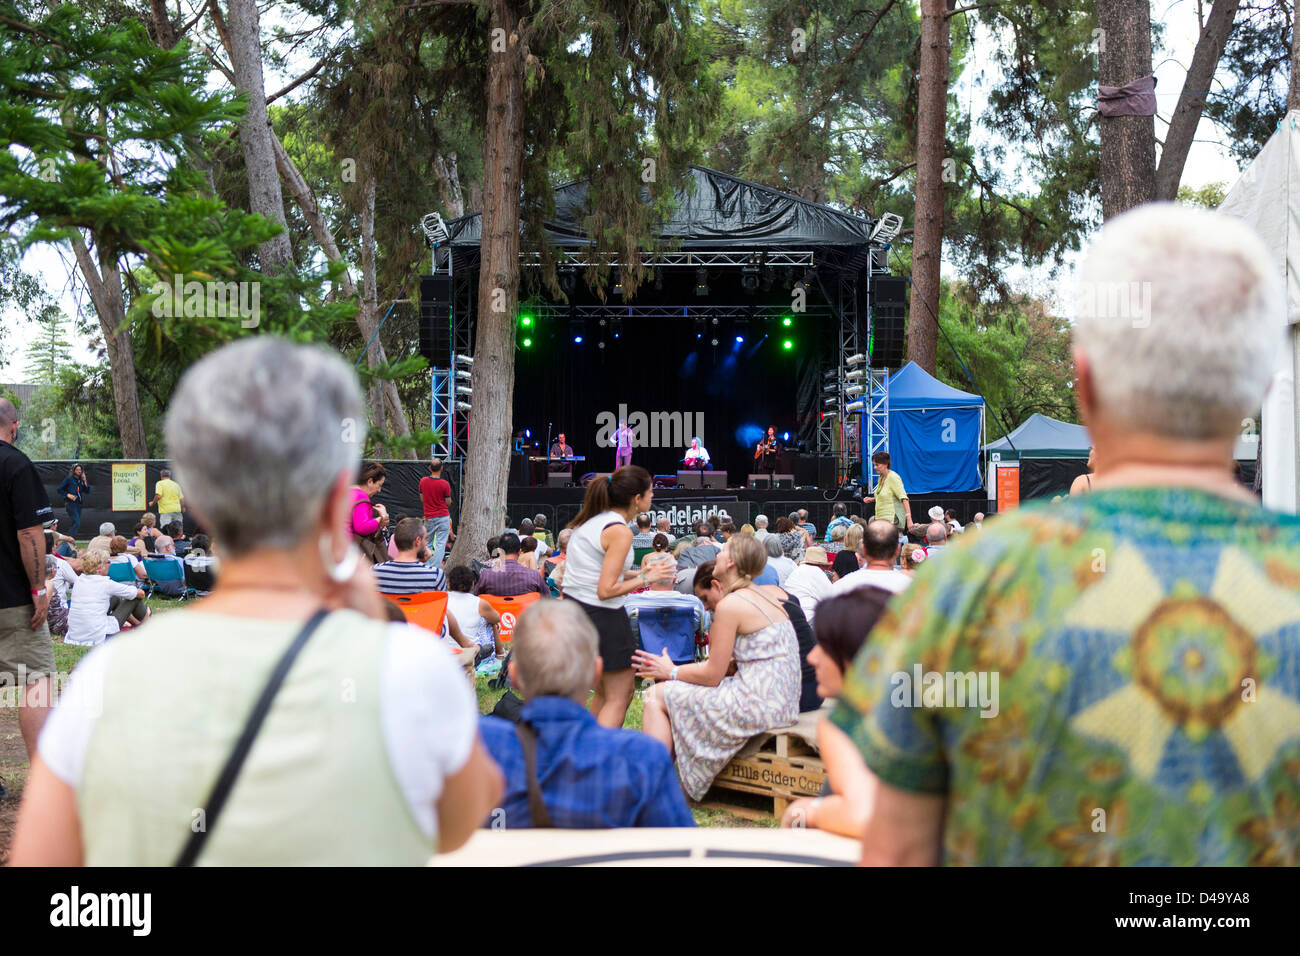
{"x": 598, "y": 577}
{"x": 704, "y": 716}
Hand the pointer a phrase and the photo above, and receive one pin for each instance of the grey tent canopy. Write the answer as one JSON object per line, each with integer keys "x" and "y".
{"x": 1043, "y": 437}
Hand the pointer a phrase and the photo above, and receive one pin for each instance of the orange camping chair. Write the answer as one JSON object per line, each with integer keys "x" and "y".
{"x": 427, "y": 609}
{"x": 510, "y": 608}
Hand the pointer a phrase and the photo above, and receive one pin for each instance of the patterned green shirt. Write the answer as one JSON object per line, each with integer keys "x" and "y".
{"x": 1136, "y": 653}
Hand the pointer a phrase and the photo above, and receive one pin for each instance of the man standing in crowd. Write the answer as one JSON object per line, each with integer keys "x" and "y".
{"x": 1144, "y": 712}
{"x": 435, "y": 492}
{"x": 512, "y": 578}
{"x": 26, "y": 650}
{"x": 890, "y": 497}
{"x": 167, "y": 496}
{"x": 878, "y": 551}
{"x": 583, "y": 776}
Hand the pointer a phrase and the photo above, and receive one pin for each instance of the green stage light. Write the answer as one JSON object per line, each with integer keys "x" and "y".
{"x": 526, "y": 320}
{"x": 788, "y": 344}
{"x": 528, "y": 343}
{"x": 787, "y": 321}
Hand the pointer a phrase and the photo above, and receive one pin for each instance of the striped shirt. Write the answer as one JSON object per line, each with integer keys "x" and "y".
{"x": 409, "y": 577}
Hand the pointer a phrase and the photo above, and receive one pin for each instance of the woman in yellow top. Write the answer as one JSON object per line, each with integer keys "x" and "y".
{"x": 889, "y": 492}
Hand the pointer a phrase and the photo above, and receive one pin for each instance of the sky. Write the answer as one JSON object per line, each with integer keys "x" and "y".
{"x": 1209, "y": 161}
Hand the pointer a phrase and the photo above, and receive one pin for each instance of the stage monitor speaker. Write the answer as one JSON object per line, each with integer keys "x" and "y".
{"x": 758, "y": 481}
{"x": 435, "y": 320}
{"x": 597, "y": 476}
{"x": 888, "y": 321}
{"x": 689, "y": 479}
{"x": 715, "y": 479}
{"x": 558, "y": 479}
{"x": 783, "y": 481}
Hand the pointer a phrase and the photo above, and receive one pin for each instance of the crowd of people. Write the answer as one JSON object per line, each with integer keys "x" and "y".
{"x": 983, "y": 693}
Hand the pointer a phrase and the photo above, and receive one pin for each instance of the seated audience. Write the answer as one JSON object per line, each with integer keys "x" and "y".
{"x": 540, "y": 532}
{"x": 585, "y": 776}
{"x": 839, "y": 519}
{"x": 118, "y": 554}
{"x": 643, "y": 535}
{"x": 804, "y": 525}
{"x": 478, "y": 620}
{"x": 166, "y": 551}
{"x": 700, "y": 714}
{"x": 102, "y": 541}
{"x": 776, "y": 559}
{"x": 845, "y": 563}
{"x": 407, "y": 573}
{"x": 879, "y": 552}
{"x": 760, "y": 527}
{"x": 936, "y": 538}
{"x": 664, "y": 594}
{"x": 951, "y": 523}
{"x": 149, "y": 718}
{"x": 747, "y": 528}
{"x": 791, "y": 537}
{"x": 58, "y": 612}
{"x": 528, "y": 551}
{"x": 1121, "y": 693}
{"x": 664, "y": 526}
{"x": 808, "y": 581}
{"x": 837, "y": 535}
{"x": 100, "y": 605}
{"x": 845, "y": 804}
{"x": 511, "y": 578}
{"x": 911, "y": 557}
{"x": 556, "y": 562}
{"x": 703, "y": 548}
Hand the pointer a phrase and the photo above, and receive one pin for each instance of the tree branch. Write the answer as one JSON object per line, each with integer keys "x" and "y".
{"x": 973, "y": 6}
{"x": 302, "y": 79}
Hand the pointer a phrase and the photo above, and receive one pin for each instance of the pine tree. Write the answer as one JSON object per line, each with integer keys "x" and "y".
{"x": 52, "y": 351}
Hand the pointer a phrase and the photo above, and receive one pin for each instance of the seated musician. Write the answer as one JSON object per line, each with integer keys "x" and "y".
{"x": 560, "y": 449}
{"x": 697, "y": 456}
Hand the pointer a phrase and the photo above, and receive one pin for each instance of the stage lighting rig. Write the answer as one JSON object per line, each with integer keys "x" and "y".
{"x": 435, "y": 230}
{"x": 886, "y": 228}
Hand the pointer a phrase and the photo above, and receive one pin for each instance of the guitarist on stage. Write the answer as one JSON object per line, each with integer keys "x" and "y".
{"x": 766, "y": 451}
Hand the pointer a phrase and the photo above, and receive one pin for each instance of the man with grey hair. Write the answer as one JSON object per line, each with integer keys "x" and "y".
{"x": 26, "y": 650}
{"x": 104, "y": 539}
{"x": 562, "y": 769}
{"x": 760, "y": 527}
{"x": 936, "y": 538}
{"x": 1141, "y": 627}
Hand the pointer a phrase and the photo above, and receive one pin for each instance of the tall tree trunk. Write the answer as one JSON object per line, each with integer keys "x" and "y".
{"x": 487, "y": 464}
{"x": 447, "y": 170}
{"x": 301, "y": 192}
{"x": 1191, "y": 102}
{"x": 1128, "y": 143}
{"x": 264, "y": 196}
{"x": 367, "y": 318}
{"x": 1293, "y": 92}
{"x": 105, "y": 284}
{"x": 927, "y": 239}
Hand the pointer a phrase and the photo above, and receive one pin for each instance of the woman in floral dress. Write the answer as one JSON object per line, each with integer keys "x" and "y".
{"x": 705, "y": 716}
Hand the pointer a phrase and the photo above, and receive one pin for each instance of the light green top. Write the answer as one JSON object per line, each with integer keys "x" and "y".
{"x": 317, "y": 787}
{"x": 889, "y": 496}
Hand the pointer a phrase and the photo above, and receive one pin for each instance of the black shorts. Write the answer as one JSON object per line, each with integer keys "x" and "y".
{"x": 617, "y": 642}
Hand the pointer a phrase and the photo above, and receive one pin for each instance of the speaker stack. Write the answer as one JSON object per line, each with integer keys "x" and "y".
{"x": 888, "y": 321}
{"x": 435, "y": 320}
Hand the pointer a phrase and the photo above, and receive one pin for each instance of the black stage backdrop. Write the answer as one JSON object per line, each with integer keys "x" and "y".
{"x": 683, "y": 386}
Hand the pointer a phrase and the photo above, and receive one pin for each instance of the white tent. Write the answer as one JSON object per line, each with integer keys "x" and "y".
{"x": 1267, "y": 196}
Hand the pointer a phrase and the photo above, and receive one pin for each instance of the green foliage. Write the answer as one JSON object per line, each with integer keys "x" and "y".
{"x": 1210, "y": 195}
{"x": 52, "y": 351}
{"x": 1016, "y": 351}
{"x": 1258, "y": 61}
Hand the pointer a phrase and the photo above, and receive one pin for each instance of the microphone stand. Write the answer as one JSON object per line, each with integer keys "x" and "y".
{"x": 548, "y": 454}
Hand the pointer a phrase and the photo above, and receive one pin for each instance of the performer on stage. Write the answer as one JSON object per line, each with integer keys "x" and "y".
{"x": 766, "y": 451}
{"x": 561, "y": 450}
{"x": 697, "y": 456}
{"x": 623, "y": 439}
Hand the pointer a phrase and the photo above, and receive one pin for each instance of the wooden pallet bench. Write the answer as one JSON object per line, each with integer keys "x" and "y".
{"x": 782, "y": 765}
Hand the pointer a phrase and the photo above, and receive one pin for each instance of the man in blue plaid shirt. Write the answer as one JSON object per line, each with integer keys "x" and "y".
{"x": 590, "y": 777}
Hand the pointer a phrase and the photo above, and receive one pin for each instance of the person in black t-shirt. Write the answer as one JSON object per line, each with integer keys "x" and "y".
{"x": 26, "y": 651}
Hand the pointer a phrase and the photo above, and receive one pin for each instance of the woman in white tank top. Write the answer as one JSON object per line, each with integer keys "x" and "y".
{"x": 598, "y": 576}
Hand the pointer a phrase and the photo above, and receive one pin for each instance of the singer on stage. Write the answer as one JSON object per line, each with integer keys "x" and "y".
{"x": 697, "y": 456}
{"x": 766, "y": 451}
{"x": 623, "y": 439}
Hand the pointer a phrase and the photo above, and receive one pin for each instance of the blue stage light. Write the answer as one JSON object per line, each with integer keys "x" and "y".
{"x": 577, "y": 340}
{"x": 740, "y": 339}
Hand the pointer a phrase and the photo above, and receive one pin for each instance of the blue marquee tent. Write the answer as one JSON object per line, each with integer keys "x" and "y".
{"x": 935, "y": 433}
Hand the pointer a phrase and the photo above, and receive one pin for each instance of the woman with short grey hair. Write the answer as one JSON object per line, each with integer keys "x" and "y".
{"x": 128, "y": 761}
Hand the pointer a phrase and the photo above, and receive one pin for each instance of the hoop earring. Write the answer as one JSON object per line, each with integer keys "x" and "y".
{"x": 340, "y": 571}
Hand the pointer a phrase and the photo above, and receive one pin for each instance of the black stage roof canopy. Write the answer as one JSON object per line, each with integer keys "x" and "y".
{"x": 720, "y": 211}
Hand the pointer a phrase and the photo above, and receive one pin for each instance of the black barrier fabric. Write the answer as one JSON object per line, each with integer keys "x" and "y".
{"x": 1045, "y": 477}
{"x": 400, "y": 495}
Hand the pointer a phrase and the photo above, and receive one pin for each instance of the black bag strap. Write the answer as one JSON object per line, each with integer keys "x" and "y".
{"x": 235, "y": 762}
{"x": 541, "y": 819}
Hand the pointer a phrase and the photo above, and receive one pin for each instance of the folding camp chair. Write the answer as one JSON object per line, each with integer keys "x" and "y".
{"x": 427, "y": 609}
{"x": 164, "y": 571}
{"x": 124, "y": 573}
{"x": 667, "y": 627}
{"x": 510, "y": 608}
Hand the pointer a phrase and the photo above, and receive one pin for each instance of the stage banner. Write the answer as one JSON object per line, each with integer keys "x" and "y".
{"x": 683, "y": 513}
{"x": 935, "y": 450}
{"x": 128, "y": 484}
